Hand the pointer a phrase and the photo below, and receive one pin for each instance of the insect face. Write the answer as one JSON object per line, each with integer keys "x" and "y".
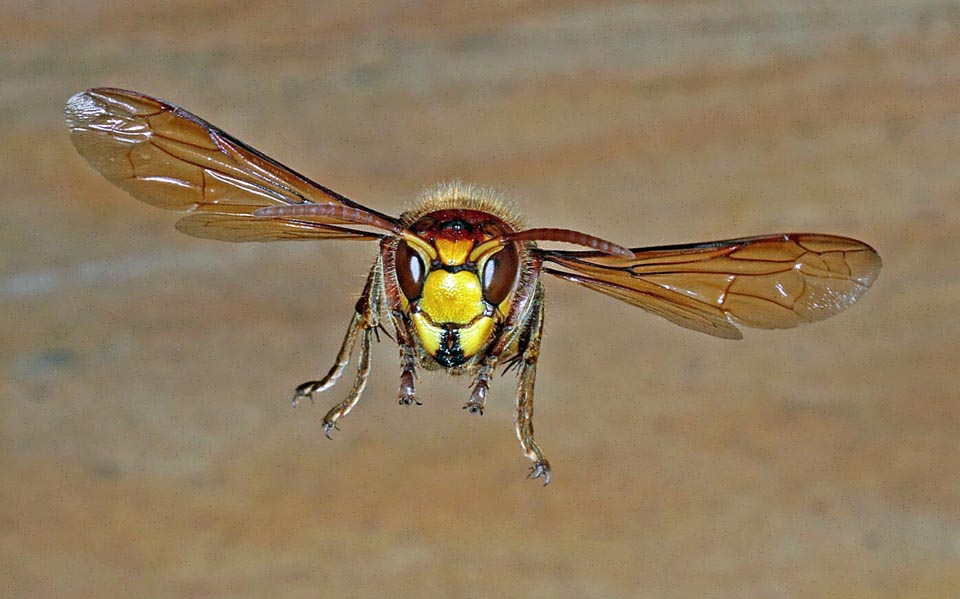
{"x": 458, "y": 283}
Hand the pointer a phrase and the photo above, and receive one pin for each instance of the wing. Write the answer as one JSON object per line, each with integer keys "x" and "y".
{"x": 767, "y": 282}
{"x": 167, "y": 157}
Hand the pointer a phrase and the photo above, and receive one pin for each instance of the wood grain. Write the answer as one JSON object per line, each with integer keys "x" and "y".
{"x": 146, "y": 439}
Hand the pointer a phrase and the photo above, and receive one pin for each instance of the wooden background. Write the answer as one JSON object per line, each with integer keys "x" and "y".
{"x": 147, "y": 444}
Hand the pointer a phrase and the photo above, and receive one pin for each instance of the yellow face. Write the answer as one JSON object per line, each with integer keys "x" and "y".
{"x": 455, "y": 288}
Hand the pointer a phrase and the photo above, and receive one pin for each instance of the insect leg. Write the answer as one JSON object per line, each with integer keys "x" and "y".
{"x": 408, "y": 374}
{"x": 528, "y": 374}
{"x": 366, "y": 319}
{"x": 363, "y": 371}
{"x": 529, "y": 296}
{"x": 408, "y": 360}
{"x": 366, "y": 315}
{"x": 481, "y": 383}
{"x": 401, "y": 323}
{"x": 336, "y": 371}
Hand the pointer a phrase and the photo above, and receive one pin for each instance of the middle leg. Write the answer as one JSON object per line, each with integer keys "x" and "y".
{"x": 364, "y": 324}
{"x": 363, "y": 371}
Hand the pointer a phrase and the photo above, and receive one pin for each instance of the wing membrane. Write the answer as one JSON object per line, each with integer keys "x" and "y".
{"x": 167, "y": 157}
{"x": 768, "y": 282}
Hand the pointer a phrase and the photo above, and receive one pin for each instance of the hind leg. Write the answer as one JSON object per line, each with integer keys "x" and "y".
{"x": 365, "y": 320}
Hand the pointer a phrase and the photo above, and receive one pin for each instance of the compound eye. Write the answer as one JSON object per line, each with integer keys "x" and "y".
{"x": 410, "y": 271}
{"x": 500, "y": 273}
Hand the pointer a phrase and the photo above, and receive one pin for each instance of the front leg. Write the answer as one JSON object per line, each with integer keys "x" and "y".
{"x": 481, "y": 384}
{"x": 408, "y": 359}
{"x": 408, "y": 374}
{"x": 528, "y": 301}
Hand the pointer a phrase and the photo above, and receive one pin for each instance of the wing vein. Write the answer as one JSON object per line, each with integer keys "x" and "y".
{"x": 773, "y": 281}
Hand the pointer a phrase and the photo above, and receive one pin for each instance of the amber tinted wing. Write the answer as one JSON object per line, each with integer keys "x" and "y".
{"x": 769, "y": 282}
{"x": 167, "y": 157}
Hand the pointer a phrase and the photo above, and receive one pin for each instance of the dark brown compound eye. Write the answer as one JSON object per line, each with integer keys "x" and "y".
{"x": 410, "y": 271}
{"x": 500, "y": 273}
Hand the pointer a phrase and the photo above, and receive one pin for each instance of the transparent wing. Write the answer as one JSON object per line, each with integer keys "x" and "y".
{"x": 769, "y": 282}
{"x": 167, "y": 157}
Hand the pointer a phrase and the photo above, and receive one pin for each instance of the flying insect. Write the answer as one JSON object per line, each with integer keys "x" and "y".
{"x": 459, "y": 277}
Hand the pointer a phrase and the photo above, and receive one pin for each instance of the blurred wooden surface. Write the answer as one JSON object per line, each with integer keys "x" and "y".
{"x": 147, "y": 444}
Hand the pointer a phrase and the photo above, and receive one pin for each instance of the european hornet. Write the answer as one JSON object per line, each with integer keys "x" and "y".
{"x": 458, "y": 277}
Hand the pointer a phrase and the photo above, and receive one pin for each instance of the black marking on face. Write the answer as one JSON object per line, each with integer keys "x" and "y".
{"x": 454, "y": 268}
{"x": 450, "y": 354}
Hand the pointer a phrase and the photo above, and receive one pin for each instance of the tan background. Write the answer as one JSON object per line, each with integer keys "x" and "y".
{"x": 147, "y": 445}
